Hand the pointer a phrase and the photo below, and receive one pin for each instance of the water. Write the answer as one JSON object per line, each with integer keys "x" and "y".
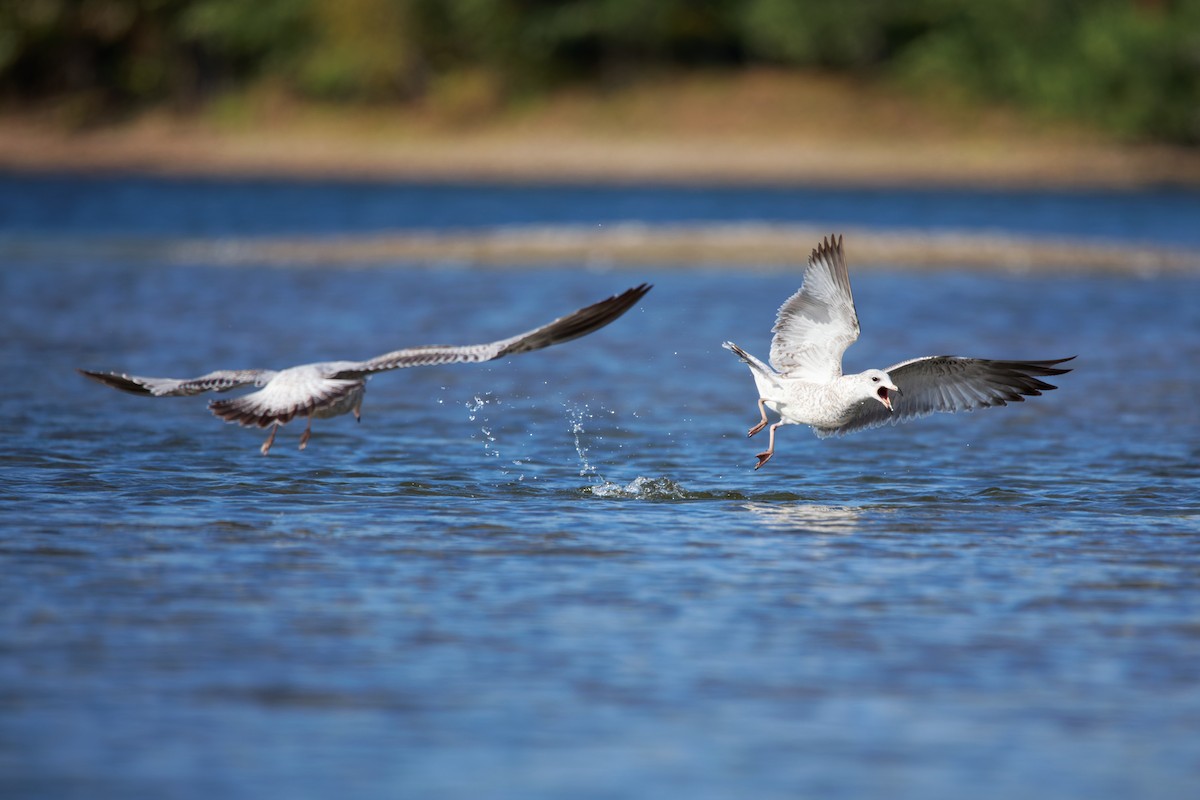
{"x": 559, "y": 575}
{"x": 110, "y": 206}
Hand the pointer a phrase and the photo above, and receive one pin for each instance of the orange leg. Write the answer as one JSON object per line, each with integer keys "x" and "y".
{"x": 307, "y": 432}
{"x": 266, "y": 446}
{"x": 765, "y": 455}
{"x": 762, "y": 409}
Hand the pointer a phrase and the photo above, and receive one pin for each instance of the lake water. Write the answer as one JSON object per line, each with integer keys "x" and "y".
{"x": 558, "y": 575}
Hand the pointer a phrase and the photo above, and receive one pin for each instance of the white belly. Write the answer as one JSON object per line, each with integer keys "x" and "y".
{"x": 801, "y": 403}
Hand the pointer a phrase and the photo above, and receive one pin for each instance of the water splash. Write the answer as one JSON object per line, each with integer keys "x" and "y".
{"x": 640, "y": 488}
{"x": 478, "y": 403}
{"x": 511, "y": 468}
{"x": 576, "y": 416}
{"x": 475, "y": 411}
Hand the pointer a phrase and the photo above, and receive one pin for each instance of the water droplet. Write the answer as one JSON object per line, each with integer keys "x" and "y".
{"x": 576, "y": 416}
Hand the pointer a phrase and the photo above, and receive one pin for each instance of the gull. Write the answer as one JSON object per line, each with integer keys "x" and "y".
{"x": 331, "y": 388}
{"x": 805, "y": 386}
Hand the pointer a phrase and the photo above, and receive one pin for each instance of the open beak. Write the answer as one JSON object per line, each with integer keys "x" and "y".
{"x": 884, "y": 393}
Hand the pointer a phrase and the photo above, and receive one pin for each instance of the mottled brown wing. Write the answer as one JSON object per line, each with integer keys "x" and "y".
{"x": 564, "y": 329}
{"x": 219, "y": 381}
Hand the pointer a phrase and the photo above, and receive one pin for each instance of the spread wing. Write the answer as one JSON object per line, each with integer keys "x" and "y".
{"x": 816, "y": 324}
{"x": 573, "y": 325}
{"x": 952, "y": 383}
{"x": 219, "y": 381}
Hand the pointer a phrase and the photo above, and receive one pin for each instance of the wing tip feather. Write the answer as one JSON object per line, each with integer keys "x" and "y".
{"x": 117, "y": 380}
{"x": 831, "y": 246}
{"x": 578, "y": 323}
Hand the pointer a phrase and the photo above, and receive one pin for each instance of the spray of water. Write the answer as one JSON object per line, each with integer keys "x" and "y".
{"x": 576, "y": 417}
{"x": 475, "y": 411}
{"x": 640, "y": 488}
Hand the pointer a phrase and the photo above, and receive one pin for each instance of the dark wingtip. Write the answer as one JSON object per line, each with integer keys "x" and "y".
{"x": 598, "y": 315}
{"x": 116, "y": 380}
{"x": 1028, "y": 373}
{"x": 637, "y": 292}
{"x": 829, "y": 245}
{"x": 1050, "y": 366}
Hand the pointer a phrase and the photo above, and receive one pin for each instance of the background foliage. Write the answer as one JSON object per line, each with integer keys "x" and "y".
{"x": 1131, "y": 66}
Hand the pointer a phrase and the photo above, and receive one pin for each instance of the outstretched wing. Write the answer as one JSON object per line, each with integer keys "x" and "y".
{"x": 563, "y": 329}
{"x": 219, "y": 381}
{"x": 952, "y": 383}
{"x": 816, "y": 324}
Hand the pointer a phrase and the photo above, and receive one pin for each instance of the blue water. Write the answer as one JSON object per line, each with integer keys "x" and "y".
{"x": 558, "y": 575}
{"x": 137, "y": 206}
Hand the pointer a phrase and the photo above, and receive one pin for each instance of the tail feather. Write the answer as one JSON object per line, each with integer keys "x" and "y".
{"x": 266, "y": 407}
{"x": 249, "y": 412}
{"x": 746, "y": 358}
{"x": 766, "y": 380}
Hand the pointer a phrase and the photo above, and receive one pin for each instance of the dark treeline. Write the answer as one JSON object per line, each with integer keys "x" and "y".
{"x": 1131, "y": 66}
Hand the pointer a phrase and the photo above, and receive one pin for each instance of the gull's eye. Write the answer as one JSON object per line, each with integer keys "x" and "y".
{"x": 875, "y": 378}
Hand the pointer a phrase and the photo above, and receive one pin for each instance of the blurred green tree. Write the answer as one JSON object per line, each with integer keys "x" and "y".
{"x": 1131, "y": 66}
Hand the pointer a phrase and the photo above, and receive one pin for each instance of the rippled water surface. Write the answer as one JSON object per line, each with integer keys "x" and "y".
{"x": 558, "y": 575}
{"x": 123, "y": 206}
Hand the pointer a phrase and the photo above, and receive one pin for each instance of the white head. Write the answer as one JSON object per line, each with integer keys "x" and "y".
{"x": 876, "y": 383}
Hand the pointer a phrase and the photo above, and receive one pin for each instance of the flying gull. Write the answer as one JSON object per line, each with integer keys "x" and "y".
{"x": 806, "y": 385}
{"x": 331, "y": 388}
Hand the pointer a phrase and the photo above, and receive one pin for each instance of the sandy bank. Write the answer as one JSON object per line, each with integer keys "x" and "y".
{"x": 763, "y": 247}
{"x": 753, "y": 127}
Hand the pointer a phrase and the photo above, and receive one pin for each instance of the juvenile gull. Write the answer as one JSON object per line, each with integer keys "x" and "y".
{"x": 331, "y": 388}
{"x": 806, "y": 387}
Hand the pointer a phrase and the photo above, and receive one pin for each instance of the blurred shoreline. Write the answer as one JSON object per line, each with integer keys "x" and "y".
{"x": 754, "y": 127}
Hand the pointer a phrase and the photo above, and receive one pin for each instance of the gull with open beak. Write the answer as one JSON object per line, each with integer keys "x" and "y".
{"x": 804, "y": 384}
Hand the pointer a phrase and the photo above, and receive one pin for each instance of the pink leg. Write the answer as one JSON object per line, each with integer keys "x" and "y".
{"x": 765, "y": 455}
{"x": 762, "y": 409}
{"x": 307, "y": 432}
{"x": 266, "y": 446}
